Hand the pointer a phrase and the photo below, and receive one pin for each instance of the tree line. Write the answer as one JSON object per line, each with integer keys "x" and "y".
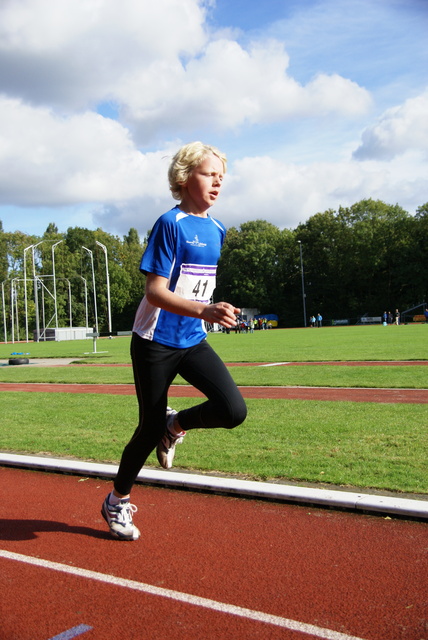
{"x": 359, "y": 260}
{"x": 364, "y": 259}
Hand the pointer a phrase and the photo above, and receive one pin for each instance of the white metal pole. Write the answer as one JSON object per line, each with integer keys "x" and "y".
{"x": 4, "y": 311}
{"x": 12, "y": 312}
{"x": 25, "y": 290}
{"x": 104, "y": 248}
{"x": 16, "y": 285}
{"x": 93, "y": 286}
{"x": 54, "y": 282}
{"x": 36, "y": 295}
{"x": 86, "y": 301}
{"x": 69, "y": 302}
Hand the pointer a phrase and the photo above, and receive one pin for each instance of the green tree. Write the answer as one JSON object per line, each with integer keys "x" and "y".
{"x": 325, "y": 246}
{"x": 360, "y": 259}
{"x": 132, "y": 251}
{"x": 249, "y": 273}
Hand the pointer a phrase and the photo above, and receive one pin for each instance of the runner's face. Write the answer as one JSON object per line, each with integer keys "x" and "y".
{"x": 203, "y": 185}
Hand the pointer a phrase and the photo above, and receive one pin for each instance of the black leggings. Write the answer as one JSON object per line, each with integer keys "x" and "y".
{"x": 155, "y": 366}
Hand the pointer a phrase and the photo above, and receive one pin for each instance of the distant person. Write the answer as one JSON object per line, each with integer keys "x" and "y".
{"x": 385, "y": 317}
{"x": 319, "y": 320}
{"x": 397, "y": 317}
{"x": 390, "y": 317}
{"x": 426, "y": 315}
{"x": 238, "y": 324}
{"x": 169, "y": 338}
{"x": 312, "y": 321}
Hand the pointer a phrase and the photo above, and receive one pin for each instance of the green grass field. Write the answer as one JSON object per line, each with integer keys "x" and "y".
{"x": 406, "y": 342}
{"x": 364, "y": 445}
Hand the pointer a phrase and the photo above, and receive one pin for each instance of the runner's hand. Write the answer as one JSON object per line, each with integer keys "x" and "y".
{"x": 221, "y": 313}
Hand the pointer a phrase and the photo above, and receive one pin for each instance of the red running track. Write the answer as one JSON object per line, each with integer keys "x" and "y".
{"x": 409, "y": 396}
{"x": 349, "y": 576}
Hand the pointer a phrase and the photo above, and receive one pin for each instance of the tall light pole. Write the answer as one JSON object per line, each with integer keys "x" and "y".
{"x": 25, "y": 290}
{"x": 93, "y": 286}
{"x": 54, "y": 281}
{"x": 4, "y": 310}
{"x": 36, "y": 295}
{"x": 86, "y": 301}
{"x": 69, "y": 302}
{"x": 12, "y": 307}
{"x": 14, "y": 301}
{"x": 303, "y": 282}
{"x": 104, "y": 248}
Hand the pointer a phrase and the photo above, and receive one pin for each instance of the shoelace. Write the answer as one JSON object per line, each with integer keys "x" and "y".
{"x": 173, "y": 440}
{"x": 124, "y": 512}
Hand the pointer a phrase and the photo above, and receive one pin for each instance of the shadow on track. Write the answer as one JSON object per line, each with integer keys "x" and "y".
{"x": 28, "y": 529}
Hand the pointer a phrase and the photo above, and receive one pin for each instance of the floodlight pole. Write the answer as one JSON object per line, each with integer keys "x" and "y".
{"x": 104, "y": 248}
{"x": 303, "y": 283}
{"x": 86, "y": 301}
{"x": 36, "y": 295}
{"x": 93, "y": 286}
{"x": 69, "y": 302}
{"x": 4, "y": 311}
{"x": 12, "y": 308}
{"x": 54, "y": 281}
{"x": 25, "y": 290}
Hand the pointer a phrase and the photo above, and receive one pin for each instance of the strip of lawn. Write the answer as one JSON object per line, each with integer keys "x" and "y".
{"x": 381, "y": 446}
{"x": 406, "y": 342}
{"x": 373, "y": 376}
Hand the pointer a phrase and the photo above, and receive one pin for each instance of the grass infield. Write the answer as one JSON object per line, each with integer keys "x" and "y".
{"x": 365, "y": 445}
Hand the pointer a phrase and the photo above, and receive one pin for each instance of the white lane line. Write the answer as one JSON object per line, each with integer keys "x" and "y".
{"x": 231, "y": 609}
{"x": 273, "y": 364}
{"x": 72, "y": 633}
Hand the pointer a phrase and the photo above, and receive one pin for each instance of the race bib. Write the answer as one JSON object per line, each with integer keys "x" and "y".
{"x": 196, "y": 282}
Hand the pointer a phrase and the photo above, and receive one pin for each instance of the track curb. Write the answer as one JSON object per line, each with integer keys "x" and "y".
{"x": 360, "y": 502}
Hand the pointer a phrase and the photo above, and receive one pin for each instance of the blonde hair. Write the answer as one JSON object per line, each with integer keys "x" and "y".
{"x": 186, "y": 160}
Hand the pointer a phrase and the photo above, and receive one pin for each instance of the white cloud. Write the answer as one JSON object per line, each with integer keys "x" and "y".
{"x": 172, "y": 79}
{"x": 46, "y": 159}
{"x": 399, "y": 129}
{"x": 228, "y": 86}
{"x": 74, "y": 53}
{"x": 287, "y": 194}
{"x": 156, "y": 62}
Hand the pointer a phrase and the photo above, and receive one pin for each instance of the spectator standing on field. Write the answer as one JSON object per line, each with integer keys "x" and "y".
{"x": 397, "y": 317}
{"x": 169, "y": 338}
{"x": 319, "y": 320}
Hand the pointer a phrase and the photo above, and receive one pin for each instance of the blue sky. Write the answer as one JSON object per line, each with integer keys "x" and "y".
{"x": 317, "y": 104}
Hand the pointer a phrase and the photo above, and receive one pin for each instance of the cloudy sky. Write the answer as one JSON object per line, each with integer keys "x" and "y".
{"x": 317, "y": 104}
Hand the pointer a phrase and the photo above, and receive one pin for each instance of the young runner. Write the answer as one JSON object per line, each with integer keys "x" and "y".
{"x": 169, "y": 337}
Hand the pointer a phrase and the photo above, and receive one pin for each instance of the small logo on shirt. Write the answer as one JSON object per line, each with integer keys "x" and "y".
{"x": 195, "y": 242}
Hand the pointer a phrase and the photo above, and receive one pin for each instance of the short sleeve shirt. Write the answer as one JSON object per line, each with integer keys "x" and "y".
{"x": 185, "y": 249}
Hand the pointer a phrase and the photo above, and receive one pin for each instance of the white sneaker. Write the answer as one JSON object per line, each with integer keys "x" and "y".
{"x": 119, "y": 519}
{"x": 166, "y": 448}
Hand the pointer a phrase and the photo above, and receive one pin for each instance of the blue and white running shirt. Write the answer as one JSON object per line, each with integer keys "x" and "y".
{"x": 185, "y": 249}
